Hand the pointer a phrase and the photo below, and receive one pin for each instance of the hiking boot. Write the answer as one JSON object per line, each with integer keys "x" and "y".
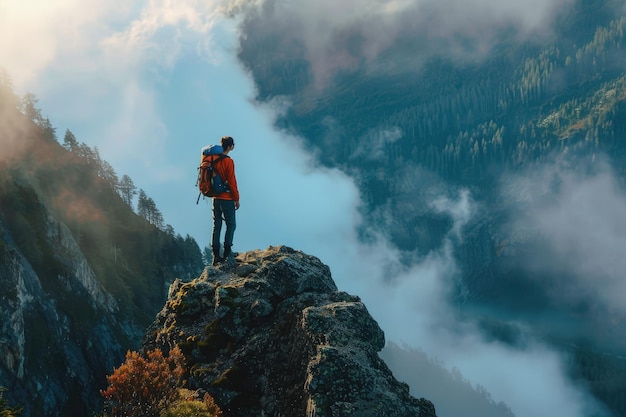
{"x": 227, "y": 251}
{"x": 217, "y": 260}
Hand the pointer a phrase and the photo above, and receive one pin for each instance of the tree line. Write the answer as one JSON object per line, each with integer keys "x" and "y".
{"x": 128, "y": 241}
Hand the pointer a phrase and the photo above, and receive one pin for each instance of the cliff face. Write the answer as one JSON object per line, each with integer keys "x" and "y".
{"x": 272, "y": 336}
{"x": 81, "y": 274}
{"x": 58, "y": 339}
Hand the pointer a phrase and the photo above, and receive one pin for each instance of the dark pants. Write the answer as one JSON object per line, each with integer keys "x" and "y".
{"x": 223, "y": 210}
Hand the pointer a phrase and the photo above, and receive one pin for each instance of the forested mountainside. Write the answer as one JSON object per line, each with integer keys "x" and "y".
{"x": 82, "y": 273}
{"x": 520, "y": 128}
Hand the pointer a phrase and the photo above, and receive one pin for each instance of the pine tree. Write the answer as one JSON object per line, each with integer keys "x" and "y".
{"x": 146, "y": 208}
{"x": 127, "y": 190}
{"x": 28, "y": 107}
{"x": 69, "y": 141}
{"x": 47, "y": 130}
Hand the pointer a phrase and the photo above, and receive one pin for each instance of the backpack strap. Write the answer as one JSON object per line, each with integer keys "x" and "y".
{"x": 219, "y": 158}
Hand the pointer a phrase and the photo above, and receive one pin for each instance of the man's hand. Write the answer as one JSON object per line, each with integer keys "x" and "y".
{"x": 236, "y": 205}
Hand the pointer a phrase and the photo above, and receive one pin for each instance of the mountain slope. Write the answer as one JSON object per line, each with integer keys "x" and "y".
{"x": 530, "y": 125}
{"x": 82, "y": 274}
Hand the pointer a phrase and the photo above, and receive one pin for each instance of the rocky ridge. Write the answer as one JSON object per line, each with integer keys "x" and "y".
{"x": 271, "y": 335}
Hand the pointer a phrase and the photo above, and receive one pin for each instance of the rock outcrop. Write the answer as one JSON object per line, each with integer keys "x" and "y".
{"x": 272, "y": 336}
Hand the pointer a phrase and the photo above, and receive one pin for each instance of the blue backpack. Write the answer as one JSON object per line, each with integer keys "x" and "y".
{"x": 212, "y": 150}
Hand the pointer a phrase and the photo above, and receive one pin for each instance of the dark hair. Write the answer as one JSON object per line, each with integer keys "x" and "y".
{"x": 227, "y": 142}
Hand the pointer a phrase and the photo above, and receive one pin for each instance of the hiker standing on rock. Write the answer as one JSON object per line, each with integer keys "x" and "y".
{"x": 225, "y": 204}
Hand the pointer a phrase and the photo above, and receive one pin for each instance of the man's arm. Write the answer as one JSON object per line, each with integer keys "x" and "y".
{"x": 232, "y": 182}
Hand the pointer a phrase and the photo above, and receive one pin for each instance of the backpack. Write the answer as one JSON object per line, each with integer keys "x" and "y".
{"x": 209, "y": 181}
{"x": 212, "y": 150}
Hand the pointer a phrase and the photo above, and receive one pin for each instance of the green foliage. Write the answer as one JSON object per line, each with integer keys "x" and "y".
{"x": 467, "y": 123}
{"x": 185, "y": 253}
{"x": 144, "y": 386}
{"x": 127, "y": 189}
{"x": 188, "y": 409}
{"x": 53, "y": 197}
{"x": 134, "y": 259}
{"x": 191, "y": 407}
{"x": 146, "y": 208}
{"x": 28, "y": 107}
{"x": 70, "y": 142}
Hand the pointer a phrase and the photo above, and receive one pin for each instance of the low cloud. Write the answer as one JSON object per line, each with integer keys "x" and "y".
{"x": 411, "y": 302}
{"x": 399, "y": 35}
{"x": 576, "y": 209}
{"x": 412, "y": 306}
{"x": 292, "y": 201}
{"x": 373, "y": 145}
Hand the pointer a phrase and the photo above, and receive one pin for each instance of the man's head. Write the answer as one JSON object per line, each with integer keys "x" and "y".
{"x": 228, "y": 143}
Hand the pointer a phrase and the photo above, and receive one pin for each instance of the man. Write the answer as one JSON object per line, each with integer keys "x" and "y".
{"x": 225, "y": 204}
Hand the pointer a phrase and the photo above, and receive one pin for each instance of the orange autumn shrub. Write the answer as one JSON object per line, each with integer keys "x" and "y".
{"x": 144, "y": 386}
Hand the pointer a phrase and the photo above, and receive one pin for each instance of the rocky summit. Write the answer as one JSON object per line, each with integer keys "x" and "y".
{"x": 270, "y": 335}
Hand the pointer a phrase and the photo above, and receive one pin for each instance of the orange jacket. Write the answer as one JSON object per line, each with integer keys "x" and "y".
{"x": 226, "y": 169}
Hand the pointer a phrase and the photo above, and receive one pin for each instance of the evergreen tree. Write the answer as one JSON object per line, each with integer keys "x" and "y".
{"x": 28, "y": 107}
{"x": 127, "y": 190}
{"x": 142, "y": 204}
{"x": 146, "y": 208}
{"x": 47, "y": 130}
{"x": 104, "y": 170}
{"x": 193, "y": 254}
{"x": 107, "y": 173}
{"x": 169, "y": 229}
{"x": 69, "y": 141}
{"x": 157, "y": 216}
{"x": 207, "y": 255}
{"x": 86, "y": 153}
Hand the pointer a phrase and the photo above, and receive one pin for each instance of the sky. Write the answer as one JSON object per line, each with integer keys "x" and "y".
{"x": 149, "y": 83}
